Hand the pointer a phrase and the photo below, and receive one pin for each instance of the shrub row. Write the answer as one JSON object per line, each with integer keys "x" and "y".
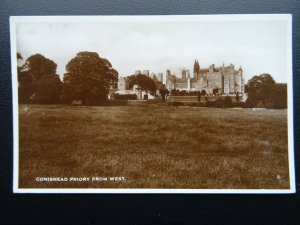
{"x": 125, "y": 97}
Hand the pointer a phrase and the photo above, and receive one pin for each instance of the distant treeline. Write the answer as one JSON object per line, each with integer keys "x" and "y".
{"x": 89, "y": 78}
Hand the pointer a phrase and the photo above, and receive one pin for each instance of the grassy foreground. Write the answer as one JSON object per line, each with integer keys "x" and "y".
{"x": 153, "y": 147}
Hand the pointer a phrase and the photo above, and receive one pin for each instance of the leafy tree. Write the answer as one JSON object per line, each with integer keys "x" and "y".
{"x": 198, "y": 96}
{"x": 237, "y": 97}
{"x": 246, "y": 88}
{"x": 38, "y": 78}
{"x": 131, "y": 80}
{"x": 175, "y": 92}
{"x": 278, "y": 97}
{"x": 19, "y": 56}
{"x": 259, "y": 89}
{"x": 89, "y": 78}
{"x": 215, "y": 91}
{"x": 184, "y": 93}
{"x": 203, "y": 92}
{"x": 163, "y": 91}
{"x": 145, "y": 83}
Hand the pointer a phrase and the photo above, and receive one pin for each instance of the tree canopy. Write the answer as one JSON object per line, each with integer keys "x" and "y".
{"x": 38, "y": 78}
{"x": 263, "y": 91}
{"x": 145, "y": 83}
{"x": 163, "y": 91}
{"x": 19, "y": 56}
{"x": 278, "y": 99}
{"x": 89, "y": 78}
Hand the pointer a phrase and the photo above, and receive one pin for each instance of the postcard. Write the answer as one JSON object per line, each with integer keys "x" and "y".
{"x": 152, "y": 104}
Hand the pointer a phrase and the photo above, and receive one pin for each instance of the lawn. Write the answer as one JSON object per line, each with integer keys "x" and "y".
{"x": 153, "y": 146}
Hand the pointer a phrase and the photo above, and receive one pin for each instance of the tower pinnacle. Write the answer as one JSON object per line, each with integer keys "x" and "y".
{"x": 196, "y": 67}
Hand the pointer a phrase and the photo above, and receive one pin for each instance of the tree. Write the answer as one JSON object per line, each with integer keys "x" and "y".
{"x": 215, "y": 91}
{"x": 259, "y": 89}
{"x": 199, "y": 96}
{"x": 145, "y": 83}
{"x": 237, "y": 97}
{"x": 175, "y": 92}
{"x": 19, "y": 68}
{"x": 19, "y": 56}
{"x": 163, "y": 91}
{"x": 89, "y": 78}
{"x": 38, "y": 78}
{"x": 278, "y": 97}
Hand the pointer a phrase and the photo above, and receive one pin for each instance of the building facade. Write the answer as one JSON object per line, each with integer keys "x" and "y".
{"x": 224, "y": 80}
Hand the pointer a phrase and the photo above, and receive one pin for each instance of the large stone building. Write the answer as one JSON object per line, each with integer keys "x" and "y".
{"x": 225, "y": 80}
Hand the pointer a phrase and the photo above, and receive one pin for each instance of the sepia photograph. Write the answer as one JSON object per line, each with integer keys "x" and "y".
{"x": 152, "y": 104}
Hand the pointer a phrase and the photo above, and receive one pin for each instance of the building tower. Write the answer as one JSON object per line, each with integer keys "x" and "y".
{"x": 122, "y": 84}
{"x": 168, "y": 81}
{"x": 196, "y": 69}
{"x": 183, "y": 73}
{"x": 146, "y": 72}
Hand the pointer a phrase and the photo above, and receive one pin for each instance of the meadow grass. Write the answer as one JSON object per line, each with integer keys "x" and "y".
{"x": 154, "y": 146}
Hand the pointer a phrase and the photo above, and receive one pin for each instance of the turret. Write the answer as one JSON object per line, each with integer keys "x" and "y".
{"x": 196, "y": 69}
{"x": 183, "y": 73}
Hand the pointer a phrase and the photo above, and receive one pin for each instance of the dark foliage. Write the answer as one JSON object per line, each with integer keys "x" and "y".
{"x": 278, "y": 99}
{"x": 177, "y": 92}
{"x": 237, "y": 97}
{"x": 38, "y": 81}
{"x": 264, "y": 92}
{"x": 227, "y": 102}
{"x": 19, "y": 56}
{"x": 221, "y": 102}
{"x": 163, "y": 91}
{"x": 145, "y": 83}
{"x": 203, "y": 92}
{"x": 125, "y": 97}
{"x": 89, "y": 78}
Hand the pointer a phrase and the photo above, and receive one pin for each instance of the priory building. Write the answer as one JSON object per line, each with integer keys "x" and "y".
{"x": 224, "y": 80}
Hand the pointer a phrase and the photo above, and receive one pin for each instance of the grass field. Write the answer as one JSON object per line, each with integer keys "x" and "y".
{"x": 154, "y": 147}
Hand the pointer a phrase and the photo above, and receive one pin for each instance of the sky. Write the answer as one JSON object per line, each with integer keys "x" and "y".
{"x": 258, "y": 46}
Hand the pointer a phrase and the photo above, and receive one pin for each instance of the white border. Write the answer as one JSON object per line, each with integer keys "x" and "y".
{"x": 182, "y": 18}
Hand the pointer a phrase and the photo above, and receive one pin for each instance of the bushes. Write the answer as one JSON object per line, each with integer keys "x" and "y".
{"x": 221, "y": 103}
{"x": 227, "y": 102}
{"x": 125, "y": 97}
{"x": 176, "y": 92}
